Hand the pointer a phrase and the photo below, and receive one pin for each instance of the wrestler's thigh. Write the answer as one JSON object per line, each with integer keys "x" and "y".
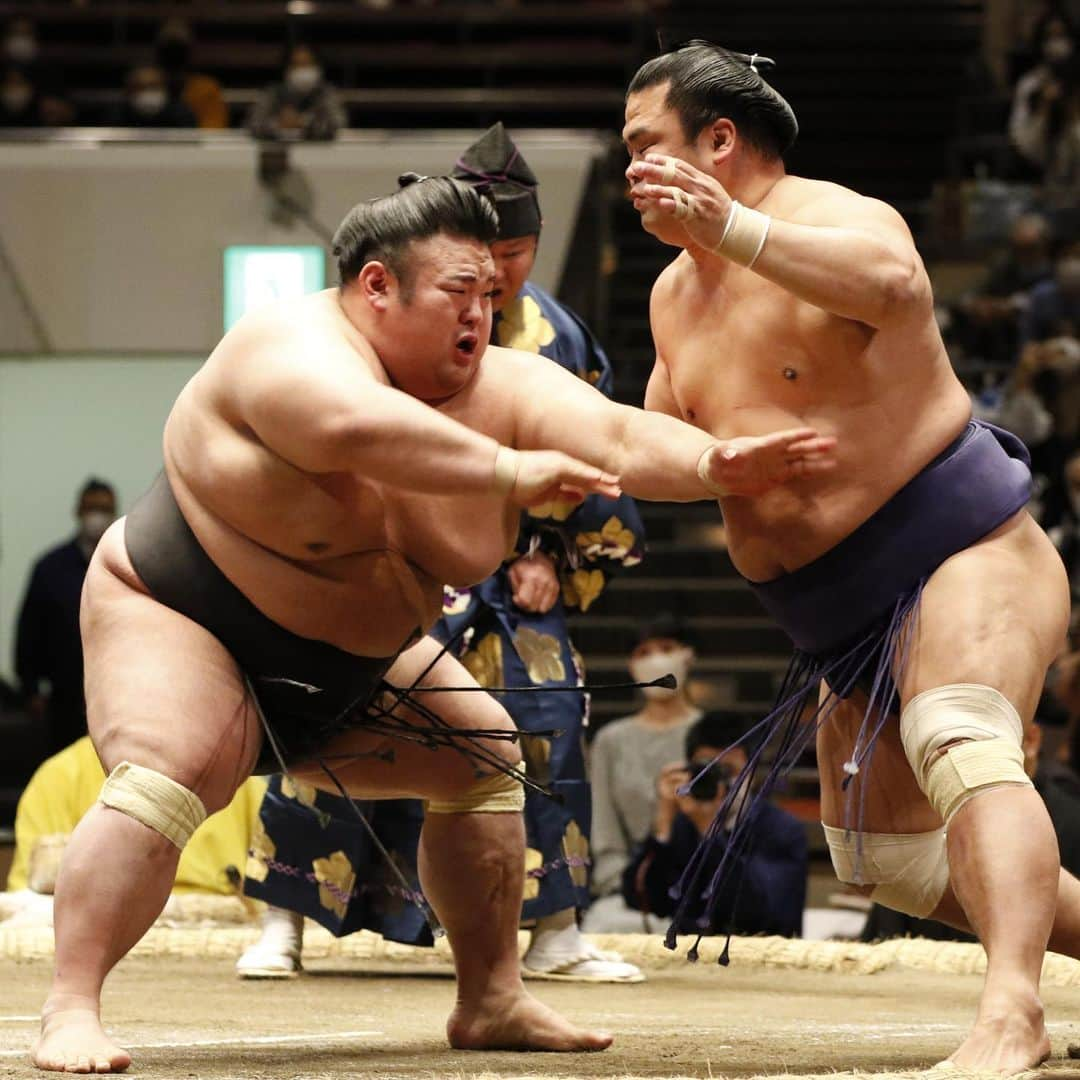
{"x": 996, "y": 614}
{"x": 160, "y": 690}
{"x": 885, "y": 786}
{"x": 381, "y": 766}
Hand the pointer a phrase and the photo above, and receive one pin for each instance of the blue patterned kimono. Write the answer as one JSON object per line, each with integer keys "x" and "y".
{"x": 305, "y": 842}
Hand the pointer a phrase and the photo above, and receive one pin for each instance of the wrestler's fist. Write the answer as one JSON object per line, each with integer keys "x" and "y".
{"x": 549, "y": 475}
{"x": 752, "y": 465}
{"x": 534, "y": 582}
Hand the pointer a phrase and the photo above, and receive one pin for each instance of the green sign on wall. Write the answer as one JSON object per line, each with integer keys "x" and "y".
{"x": 259, "y": 275}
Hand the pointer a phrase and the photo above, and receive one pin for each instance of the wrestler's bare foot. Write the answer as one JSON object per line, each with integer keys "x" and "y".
{"x": 72, "y": 1040}
{"x": 517, "y": 1021}
{"x": 1009, "y": 1037}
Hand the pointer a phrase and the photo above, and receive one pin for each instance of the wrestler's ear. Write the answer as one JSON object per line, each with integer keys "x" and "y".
{"x": 376, "y": 283}
{"x": 722, "y": 136}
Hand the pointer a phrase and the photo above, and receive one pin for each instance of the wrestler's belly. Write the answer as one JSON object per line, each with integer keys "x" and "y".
{"x": 368, "y": 602}
{"x": 791, "y": 526}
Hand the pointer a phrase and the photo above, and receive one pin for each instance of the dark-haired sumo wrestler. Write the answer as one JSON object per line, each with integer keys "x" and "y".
{"x": 919, "y": 593}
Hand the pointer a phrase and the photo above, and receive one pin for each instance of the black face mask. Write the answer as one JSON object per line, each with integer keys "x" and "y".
{"x": 173, "y": 53}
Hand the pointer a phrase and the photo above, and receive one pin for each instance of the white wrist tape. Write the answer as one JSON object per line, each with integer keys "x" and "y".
{"x": 154, "y": 799}
{"x": 744, "y": 235}
{"x": 506, "y": 470}
{"x": 703, "y": 472}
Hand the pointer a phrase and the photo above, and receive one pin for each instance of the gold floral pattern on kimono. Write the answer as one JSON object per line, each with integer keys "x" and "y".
{"x": 303, "y": 792}
{"x": 485, "y": 662}
{"x": 533, "y": 861}
{"x": 336, "y": 878}
{"x": 536, "y": 751}
{"x": 613, "y": 541}
{"x": 556, "y": 510}
{"x": 522, "y": 325}
{"x": 261, "y": 849}
{"x": 576, "y": 853}
{"x": 582, "y": 587}
{"x": 541, "y": 655}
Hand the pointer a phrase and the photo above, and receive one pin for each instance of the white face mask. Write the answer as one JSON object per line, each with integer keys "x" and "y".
{"x": 149, "y": 102}
{"x": 1057, "y": 49}
{"x": 21, "y": 48}
{"x": 94, "y": 524}
{"x": 304, "y": 78}
{"x": 658, "y": 664}
{"x": 15, "y": 98}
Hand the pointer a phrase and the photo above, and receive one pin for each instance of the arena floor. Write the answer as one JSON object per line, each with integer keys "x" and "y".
{"x": 375, "y": 1018}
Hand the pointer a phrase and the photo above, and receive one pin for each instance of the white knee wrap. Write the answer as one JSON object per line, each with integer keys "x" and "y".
{"x": 910, "y": 871}
{"x": 989, "y": 756}
{"x": 155, "y": 800}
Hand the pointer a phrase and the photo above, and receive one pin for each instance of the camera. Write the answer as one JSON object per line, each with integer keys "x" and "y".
{"x": 704, "y": 788}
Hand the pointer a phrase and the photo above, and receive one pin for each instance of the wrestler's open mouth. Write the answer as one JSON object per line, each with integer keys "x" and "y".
{"x": 466, "y": 345}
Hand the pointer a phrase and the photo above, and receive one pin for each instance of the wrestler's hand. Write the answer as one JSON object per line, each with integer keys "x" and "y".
{"x": 549, "y": 475}
{"x": 696, "y": 200}
{"x": 534, "y": 582}
{"x": 752, "y": 465}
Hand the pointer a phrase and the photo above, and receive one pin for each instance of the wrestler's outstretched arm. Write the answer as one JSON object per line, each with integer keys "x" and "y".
{"x": 656, "y": 456}
{"x": 328, "y": 413}
{"x": 843, "y": 252}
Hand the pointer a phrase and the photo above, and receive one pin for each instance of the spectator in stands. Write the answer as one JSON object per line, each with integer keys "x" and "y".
{"x": 147, "y": 103}
{"x": 48, "y": 104}
{"x": 18, "y": 100}
{"x": 201, "y": 93}
{"x": 1043, "y": 123}
{"x": 20, "y": 42}
{"x": 991, "y": 312}
{"x": 48, "y": 650}
{"x": 1065, "y": 529}
{"x": 625, "y": 758}
{"x": 767, "y": 892}
{"x": 24, "y": 104}
{"x": 302, "y": 106}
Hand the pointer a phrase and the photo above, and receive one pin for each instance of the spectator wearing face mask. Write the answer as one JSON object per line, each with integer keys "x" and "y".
{"x": 147, "y": 103}
{"x": 48, "y": 649}
{"x": 201, "y": 93}
{"x": 766, "y": 891}
{"x": 624, "y": 760}
{"x": 1042, "y": 122}
{"x": 302, "y": 106}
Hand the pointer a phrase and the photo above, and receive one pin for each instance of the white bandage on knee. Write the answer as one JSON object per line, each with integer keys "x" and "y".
{"x": 152, "y": 798}
{"x": 910, "y": 871}
{"x": 744, "y": 235}
{"x": 962, "y": 740}
{"x": 498, "y": 794}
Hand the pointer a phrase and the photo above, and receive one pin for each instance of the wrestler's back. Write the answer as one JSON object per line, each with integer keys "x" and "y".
{"x": 332, "y": 556}
{"x": 745, "y": 357}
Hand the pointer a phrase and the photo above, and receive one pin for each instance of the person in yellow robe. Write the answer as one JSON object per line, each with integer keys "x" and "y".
{"x": 66, "y": 785}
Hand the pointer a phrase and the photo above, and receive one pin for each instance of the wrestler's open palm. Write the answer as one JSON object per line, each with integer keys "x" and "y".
{"x": 549, "y": 475}
{"x": 752, "y": 465}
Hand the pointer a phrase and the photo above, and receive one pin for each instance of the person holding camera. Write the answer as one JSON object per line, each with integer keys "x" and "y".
{"x": 768, "y": 893}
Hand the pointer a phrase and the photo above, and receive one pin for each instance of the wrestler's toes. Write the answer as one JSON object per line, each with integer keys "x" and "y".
{"x": 72, "y": 1040}
{"x": 519, "y": 1022}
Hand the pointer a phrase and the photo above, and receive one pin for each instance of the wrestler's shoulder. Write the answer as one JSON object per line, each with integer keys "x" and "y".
{"x": 667, "y": 281}
{"x": 821, "y": 202}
